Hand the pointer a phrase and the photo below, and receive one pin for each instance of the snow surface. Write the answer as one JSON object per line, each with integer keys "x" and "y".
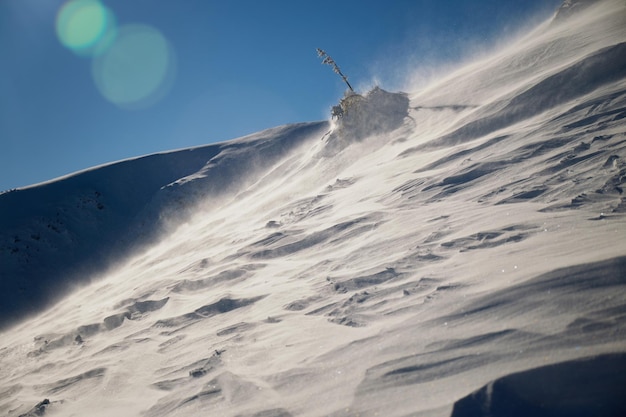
{"x": 468, "y": 261}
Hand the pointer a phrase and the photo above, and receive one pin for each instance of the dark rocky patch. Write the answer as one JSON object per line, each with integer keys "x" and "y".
{"x": 37, "y": 410}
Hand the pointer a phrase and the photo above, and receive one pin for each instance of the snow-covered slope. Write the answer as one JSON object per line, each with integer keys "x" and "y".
{"x": 58, "y": 234}
{"x": 468, "y": 261}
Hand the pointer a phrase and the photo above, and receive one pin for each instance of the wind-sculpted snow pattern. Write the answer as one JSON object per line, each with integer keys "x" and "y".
{"x": 458, "y": 251}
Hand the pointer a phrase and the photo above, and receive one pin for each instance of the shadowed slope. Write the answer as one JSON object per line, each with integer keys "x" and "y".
{"x": 580, "y": 388}
{"x": 59, "y": 233}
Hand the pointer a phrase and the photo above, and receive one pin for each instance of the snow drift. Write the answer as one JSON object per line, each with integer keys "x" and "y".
{"x": 458, "y": 253}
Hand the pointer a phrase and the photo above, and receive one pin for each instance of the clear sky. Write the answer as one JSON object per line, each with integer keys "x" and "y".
{"x": 87, "y": 82}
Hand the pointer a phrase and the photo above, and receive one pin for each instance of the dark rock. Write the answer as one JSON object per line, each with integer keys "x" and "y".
{"x": 38, "y": 410}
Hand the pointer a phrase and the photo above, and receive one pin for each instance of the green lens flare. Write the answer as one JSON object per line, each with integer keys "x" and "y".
{"x": 86, "y": 27}
{"x": 133, "y": 66}
{"x": 137, "y": 68}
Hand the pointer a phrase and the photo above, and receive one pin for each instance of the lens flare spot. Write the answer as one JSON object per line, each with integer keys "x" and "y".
{"x": 138, "y": 68}
{"x": 86, "y": 27}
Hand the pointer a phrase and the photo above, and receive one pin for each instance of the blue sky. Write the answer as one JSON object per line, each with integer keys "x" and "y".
{"x": 226, "y": 69}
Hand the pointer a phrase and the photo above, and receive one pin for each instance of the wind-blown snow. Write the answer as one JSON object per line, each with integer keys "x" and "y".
{"x": 467, "y": 261}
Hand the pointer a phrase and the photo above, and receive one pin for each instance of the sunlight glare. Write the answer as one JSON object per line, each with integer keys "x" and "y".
{"x": 137, "y": 69}
{"x": 86, "y": 27}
